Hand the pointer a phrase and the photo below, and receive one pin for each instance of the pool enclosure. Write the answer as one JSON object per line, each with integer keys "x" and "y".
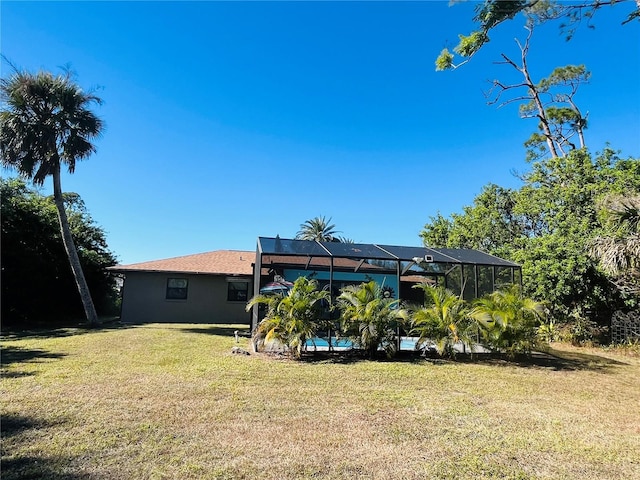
{"x": 397, "y": 269}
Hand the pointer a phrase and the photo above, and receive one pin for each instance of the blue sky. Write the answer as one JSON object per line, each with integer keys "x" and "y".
{"x": 226, "y": 121}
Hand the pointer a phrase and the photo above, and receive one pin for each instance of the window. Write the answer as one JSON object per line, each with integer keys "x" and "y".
{"x": 237, "y": 291}
{"x": 177, "y": 288}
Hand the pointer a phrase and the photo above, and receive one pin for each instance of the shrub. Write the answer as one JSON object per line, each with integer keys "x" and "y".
{"x": 369, "y": 318}
{"x": 508, "y": 322}
{"x": 293, "y": 318}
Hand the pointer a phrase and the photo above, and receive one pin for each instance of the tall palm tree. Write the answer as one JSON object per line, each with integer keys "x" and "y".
{"x": 291, "y": 319}
{"x": 370, "y": 318}
{"x": 319, "y": 229}
{"x": 45, "y": 123}
{"x": 442, "y": 320}
{"x": 508, "y": 321}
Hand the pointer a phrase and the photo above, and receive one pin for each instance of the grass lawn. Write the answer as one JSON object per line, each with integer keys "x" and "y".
{"x": 171, "y": 401}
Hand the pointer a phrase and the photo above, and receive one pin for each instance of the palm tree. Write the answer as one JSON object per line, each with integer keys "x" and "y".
{"x": 291, "y": 319}
{"x": 442, "y": 320}
{"x": 45, "y": 122}
{"x": 507, "y": 320}
{"x": 341, "y": 239}
{"x": 619, "y": 250}
{"x": 370, "y": 318}
{"x": 319, "y": 229}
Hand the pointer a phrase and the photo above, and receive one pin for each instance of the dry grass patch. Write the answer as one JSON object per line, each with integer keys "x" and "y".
{"x": 171, "y": 401}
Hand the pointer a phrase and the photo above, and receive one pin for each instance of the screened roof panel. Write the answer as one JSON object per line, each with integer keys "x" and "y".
{"x": 283, "y": 246}
{"x": 475, "y": 257}
{"x": 409, "y": 253}
{"x": 356, "y": 250}
{"x": 310, "y": 248}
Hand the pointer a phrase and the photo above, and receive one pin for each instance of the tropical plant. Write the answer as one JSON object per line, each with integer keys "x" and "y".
{"x": 319, "y": 229}
{"x": 548, "y": 332}
{"x": 441, "y": 320}
{"x": 369, "y": 318}
{"x": 508, "y": 321}
{"x": 618, "y": 249}
{"x": 291, "y": 319}
{"x": 342, "y": 239}
{"x": 45, "y": 123}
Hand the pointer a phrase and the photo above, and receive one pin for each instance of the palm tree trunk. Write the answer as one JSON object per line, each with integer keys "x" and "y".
{"x": 72, "y": 252}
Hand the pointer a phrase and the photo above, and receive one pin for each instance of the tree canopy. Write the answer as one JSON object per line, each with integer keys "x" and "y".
{"x": 46, "y": 122}
{"x": 551, "y": 101}
{"x": 489, "y": 14}
{"x": 548, "y": 226}
{"x": 37, "y": 282}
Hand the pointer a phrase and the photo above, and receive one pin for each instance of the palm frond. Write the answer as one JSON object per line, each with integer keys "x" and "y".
{"x": 46, "y": 121}
{"x": 319, "y": 229}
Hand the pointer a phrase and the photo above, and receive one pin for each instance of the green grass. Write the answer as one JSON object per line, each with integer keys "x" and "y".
{"x": 171, "y": 401}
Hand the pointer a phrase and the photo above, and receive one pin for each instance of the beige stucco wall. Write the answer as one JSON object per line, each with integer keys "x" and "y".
{"x": 143, "y": 300}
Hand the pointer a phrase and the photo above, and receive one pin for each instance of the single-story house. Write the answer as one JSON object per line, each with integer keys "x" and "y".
{"x": 214, "y": 287}
{"x": 211, "y": 287}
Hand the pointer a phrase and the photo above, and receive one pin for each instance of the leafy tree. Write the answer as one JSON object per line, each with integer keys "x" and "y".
{"x": 442, "y": 319}
{"x": 551, "y": 100}
{"x": 489, "y": 14}
{"x": 437, "y": 231}
{"x": 45, "y": 123}
{"x": 291, "y": 319}
{"x": 370, "y": 318}
{"x": 547, "y": 226}
{"x": 508, "y": 321}
{"x": 490, "y": 225}
{"x": 319, "y": 229}
{"x": 37, "y": 284}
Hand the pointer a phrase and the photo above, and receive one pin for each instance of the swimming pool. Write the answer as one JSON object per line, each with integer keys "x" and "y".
{"x": 406, "y": 343}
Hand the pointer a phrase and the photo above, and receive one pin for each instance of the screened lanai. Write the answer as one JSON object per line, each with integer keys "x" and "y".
{"x": 397, "y": 269}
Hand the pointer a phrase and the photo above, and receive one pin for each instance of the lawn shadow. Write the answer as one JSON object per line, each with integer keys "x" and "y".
{"x": 11, "y": 355}
{"x": 13, "y": 424}
{"x": 552, "y": 359}
{"x": 355, "y": 356}
{"x": 343, "y": 357}
{"x": 243, "y": 330}
{"x": 30, "y": 467}
{"x": 19, "y": 466}
{"x": 18, "y": 333}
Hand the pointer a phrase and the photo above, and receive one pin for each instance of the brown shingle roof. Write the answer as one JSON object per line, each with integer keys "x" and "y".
{"x": 222, "y": 262}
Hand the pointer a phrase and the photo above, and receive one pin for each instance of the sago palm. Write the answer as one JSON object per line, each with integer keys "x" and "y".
{"x": 45, "y": 123}
{"x": 291, "y": 319}
{"x": 442, "y": 319}
{"x": 369, "y": 318}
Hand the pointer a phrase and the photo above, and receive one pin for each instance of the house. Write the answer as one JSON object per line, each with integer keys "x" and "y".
{"x": 211, "y": 287}
{"x": 214, "y": 287}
